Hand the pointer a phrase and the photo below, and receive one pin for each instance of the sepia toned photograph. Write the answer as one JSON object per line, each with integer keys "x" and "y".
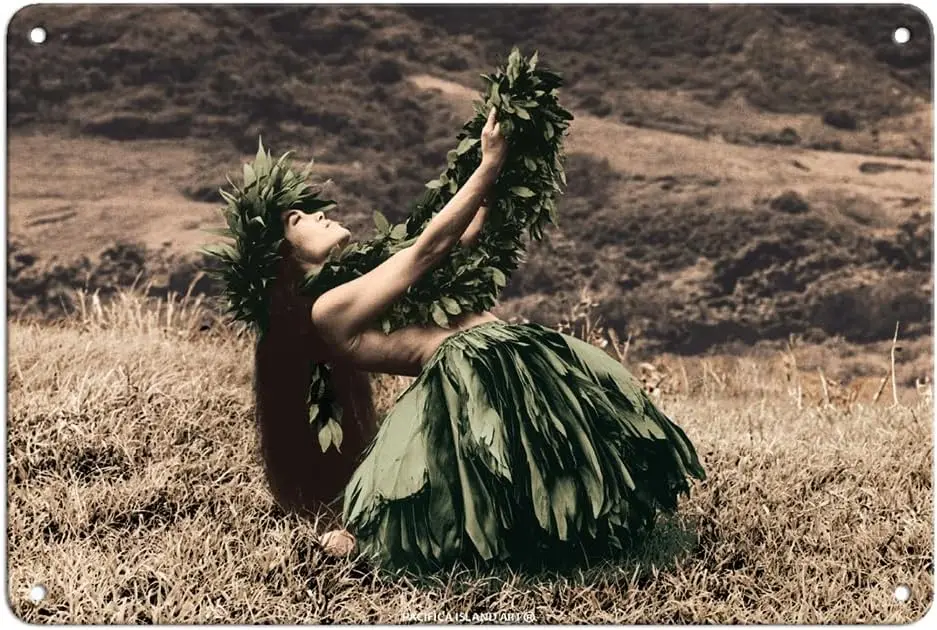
{"x": 477, "y": 314}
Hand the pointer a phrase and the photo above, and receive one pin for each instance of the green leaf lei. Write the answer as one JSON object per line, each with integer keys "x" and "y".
{"x": 471, "y": 278}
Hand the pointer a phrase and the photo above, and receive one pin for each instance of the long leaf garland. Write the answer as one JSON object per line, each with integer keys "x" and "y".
{"x": 524, "y": 202}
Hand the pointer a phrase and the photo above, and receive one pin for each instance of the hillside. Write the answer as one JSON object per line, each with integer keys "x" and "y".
{"x": 330, "y": 77}
{"x": 711, "y": 200}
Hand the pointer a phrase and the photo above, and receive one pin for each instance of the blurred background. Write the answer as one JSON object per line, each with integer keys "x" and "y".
{"x": 737, "y": 174}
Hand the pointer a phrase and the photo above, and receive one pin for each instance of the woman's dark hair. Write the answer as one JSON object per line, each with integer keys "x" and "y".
{"x": 300, "y": 476}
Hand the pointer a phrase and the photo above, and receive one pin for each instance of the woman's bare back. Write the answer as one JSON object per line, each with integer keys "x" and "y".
{"x": 404, "y": 351}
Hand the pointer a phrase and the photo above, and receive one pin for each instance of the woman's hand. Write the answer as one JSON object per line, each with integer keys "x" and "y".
{"x": 494, "y": 145}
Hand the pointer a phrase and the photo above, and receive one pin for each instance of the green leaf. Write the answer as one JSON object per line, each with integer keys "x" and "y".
{"x": 436, "y": 183}
{"x": 399, "y": 232}
{"x": 522, "y": 112}
{"x": 336, "y": 430}
{"x": 439, "y": 316}
{"x": 232, "y": 184}
{"x": 325, "y": 437}
{"x": 381, "y": 222}
{"x": 564, "y": 114}
{"x": 249, "y": 176}
{"x": 452, "y": 307}
{"x": 228, "y": 197}
{"x": 530, "y": 163}
{"x": 466, "y": 144}
{"x": 495, "y": 95}
{"x": 261, "y": 154}
{"x": 506, "y": 105}
{"x": 282, "y": 160}
{"x": 514, "y": 62}
{"x": 498, "y": 277}
{"x": 307, "y": 169}
{"x": 522, "y": 191}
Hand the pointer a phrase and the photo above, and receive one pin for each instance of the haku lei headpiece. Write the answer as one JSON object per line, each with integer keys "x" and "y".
{"x": 252, "y": 214}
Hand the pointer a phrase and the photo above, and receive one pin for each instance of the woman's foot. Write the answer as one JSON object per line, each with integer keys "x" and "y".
{"x": 337, "y": 543}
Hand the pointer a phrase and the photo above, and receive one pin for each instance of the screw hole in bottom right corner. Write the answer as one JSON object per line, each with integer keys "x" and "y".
{"x": 902, "y": 593}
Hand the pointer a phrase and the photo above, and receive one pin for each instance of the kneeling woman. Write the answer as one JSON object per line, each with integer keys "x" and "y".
{"x": 514, "y": 442}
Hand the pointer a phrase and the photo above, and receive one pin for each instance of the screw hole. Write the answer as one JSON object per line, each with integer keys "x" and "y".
{"x": 902, "y": 593}
{"x": 37, "y": 593}
{"x": 37, "y": 35}
{"x": 902, "y": 35}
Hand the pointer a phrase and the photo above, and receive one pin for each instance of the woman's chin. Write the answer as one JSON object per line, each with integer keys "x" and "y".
{"x": 341, "y": 243}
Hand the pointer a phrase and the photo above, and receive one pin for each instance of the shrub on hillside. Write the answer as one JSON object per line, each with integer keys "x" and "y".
{"x": 386, "y": 70}
{"x": 866, "y": 307}
{"x": 790, "y": 202}
{"x": 786, "y": 137}
{"x": 841, "y": 119}
{"x": 47, "y": 288}
{"x": 912, "y": 246}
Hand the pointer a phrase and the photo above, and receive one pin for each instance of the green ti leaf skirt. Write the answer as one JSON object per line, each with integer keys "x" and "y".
{"x": 516, "y": 442}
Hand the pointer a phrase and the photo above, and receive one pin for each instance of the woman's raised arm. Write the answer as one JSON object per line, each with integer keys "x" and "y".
{"x": 342, "y": 313}
{"x": 474, "y": 230}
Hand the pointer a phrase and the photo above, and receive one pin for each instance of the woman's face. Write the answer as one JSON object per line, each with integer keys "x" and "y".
{"x": 312, "y": 235}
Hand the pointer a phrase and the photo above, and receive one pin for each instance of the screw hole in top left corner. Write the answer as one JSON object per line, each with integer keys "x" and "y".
{"x": 37, "y": 35}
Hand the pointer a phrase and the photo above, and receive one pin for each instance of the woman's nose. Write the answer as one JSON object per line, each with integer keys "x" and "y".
{"x": 319, "y": 216}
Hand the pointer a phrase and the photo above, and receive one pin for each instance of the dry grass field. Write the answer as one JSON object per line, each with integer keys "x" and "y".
{"x": 135, "y": 496}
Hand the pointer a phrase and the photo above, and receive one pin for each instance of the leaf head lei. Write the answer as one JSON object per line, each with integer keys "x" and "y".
{"x": 252, "y": 213}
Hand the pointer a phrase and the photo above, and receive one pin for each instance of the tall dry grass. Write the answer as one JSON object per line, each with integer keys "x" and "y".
{"x": 134, "y": 495}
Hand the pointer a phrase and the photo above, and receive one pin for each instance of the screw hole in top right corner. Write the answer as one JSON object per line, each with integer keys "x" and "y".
{"x": 902, "y": 35}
